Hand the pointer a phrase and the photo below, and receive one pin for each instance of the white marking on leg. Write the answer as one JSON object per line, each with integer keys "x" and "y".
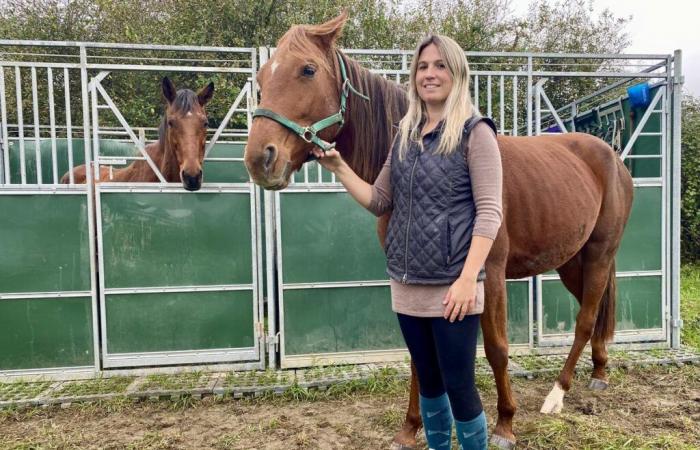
{"x": 554, "y": 402}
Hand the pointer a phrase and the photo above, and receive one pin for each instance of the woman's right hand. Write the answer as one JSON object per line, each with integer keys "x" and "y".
{"x": 330, "y": 160}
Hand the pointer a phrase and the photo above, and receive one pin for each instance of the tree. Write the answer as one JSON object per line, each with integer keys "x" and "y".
{"x": 690, "y": 180}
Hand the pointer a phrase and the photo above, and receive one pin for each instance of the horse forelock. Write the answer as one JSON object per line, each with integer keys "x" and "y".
{"x": 185, "y": 101}
{"x": 297, "y": 43}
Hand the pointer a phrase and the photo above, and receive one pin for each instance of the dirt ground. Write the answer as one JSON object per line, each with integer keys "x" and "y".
{"x": 654, "y": 407}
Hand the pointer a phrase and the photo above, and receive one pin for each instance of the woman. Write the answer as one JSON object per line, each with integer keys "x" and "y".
{"x": 442, "y": 182}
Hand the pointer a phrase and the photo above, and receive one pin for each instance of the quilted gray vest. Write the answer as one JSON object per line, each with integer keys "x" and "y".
{"x": 431, "y": 224}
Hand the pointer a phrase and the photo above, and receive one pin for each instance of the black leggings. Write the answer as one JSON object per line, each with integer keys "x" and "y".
{"x": 444, "y": 354}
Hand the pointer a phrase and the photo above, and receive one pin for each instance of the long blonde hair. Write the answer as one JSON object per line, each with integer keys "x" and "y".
{"x": 458, "y": 105}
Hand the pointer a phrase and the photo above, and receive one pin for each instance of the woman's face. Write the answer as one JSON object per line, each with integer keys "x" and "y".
{"x": 433, "y": 79}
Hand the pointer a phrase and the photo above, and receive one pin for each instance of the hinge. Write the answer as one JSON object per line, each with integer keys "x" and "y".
{"x": 677, "y": 323}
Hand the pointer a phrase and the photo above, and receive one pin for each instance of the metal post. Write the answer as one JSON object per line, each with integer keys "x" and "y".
{"x": 676, "y": 321}
{"x": 4, "y": 137}
{"x": 69, "y": 125}
{"x": 52, "y": 124}
{"x": 20, "y": 126}
{"x": 529, "y": 95}
{"x": 90, "y": 186}
{"x": 37, "y": 133}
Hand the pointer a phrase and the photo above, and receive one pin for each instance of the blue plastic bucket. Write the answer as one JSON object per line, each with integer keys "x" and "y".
{"x": 639, "y": 95}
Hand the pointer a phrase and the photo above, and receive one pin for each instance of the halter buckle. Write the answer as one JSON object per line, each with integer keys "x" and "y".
{"x": 308, "y": 135}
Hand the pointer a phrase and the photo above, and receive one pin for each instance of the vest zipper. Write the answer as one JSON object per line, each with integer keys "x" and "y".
{"x": 408, "y": 224}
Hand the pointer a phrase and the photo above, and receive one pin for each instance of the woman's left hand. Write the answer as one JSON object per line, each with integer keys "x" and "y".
{"x": 460, "y": 299}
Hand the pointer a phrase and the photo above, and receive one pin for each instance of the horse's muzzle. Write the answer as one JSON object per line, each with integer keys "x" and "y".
{"x": 190, "y": 182}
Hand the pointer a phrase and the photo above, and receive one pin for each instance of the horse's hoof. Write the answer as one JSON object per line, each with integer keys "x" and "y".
{"x": 598, "y": 385}
{"x": 501, "y": 442}
{"x": 554, "y": 402}
{"x": 397, "y": 446}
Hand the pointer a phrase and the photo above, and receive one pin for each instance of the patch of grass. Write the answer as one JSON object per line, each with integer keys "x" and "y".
{"x": 21, "y": 390}
{"x": 690, "y": 305}
{"x": 572, "y": 432}
{"x": 183, "y": 381}
{"x": 112, "y": 385}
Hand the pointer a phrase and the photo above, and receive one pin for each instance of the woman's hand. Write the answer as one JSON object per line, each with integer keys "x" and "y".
{"x": 330, "y": 160}
{"x": 460, "y": 299}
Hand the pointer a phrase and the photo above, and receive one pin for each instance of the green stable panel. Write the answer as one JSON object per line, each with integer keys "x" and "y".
{"x": 326, "y": 237}
{"x": 176, "y": 239}
{"x": 225, "y": 171}
{"x": 107, "y": 148}
{"x": 45, "y": 243}
{"x": 42, "y": 333}
{"x": 318, "y": 321}
{"x": 179, "y": 321}
{"x": 641, "y": 244}
{"x": 638, "y": 305}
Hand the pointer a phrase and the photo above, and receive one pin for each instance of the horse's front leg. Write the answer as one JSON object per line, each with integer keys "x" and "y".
{"x": 406, "y": 438}
{"x": 494, "y": 323}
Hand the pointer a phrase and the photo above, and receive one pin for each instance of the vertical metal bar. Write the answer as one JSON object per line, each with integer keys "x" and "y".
{"x": 256, "y": 259}
{"x": 489, "y": 112}
{"x": 20, "y": 126}
{"x": 529, "y": 95}
{"x": 270, "y": 246}
{"x": 665, "y": 120}
{"x": 515, "y": 105}
{"x": 69, "y": 125}
{"x": 91, "y": 200}
{"x": 37, "y": 133}
{"x": 675, "y": 205}
{"x": 476, "y": 92}
{"x": 4, "y": 136}
{"x": 501, "y": 100}
{"x": 52, "y": 123}
{"x": 95, "y": 130}
{"x": 538, "y": 111}
{"x": 574, "y": 111}
{"x": 320, "y": 172}
{"x": 306, "y": 173}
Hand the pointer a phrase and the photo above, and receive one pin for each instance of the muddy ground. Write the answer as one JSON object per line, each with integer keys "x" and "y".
{"x": 653, "y": 407}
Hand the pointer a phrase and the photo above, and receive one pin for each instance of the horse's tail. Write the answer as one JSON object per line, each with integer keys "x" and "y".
{"x": 605, "y": 323}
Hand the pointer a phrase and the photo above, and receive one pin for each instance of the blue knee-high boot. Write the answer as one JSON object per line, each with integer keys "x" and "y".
{"x": 437, "y": 421}
{"x": 473, "y": 434}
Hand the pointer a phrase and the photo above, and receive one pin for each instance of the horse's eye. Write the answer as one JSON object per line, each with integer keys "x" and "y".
{"x": 309, "y": 71}
{"x": 171, "y": 124}
{"x": 205, "y": 123}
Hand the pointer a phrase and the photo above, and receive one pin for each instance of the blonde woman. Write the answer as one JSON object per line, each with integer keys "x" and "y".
{"x": 442, "y": 184}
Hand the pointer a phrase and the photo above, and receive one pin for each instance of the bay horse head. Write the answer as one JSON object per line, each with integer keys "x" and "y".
{"x": 183, "y": 133}
{"x": 303, "y": 93}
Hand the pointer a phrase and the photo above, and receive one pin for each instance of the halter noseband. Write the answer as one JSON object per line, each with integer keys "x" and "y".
{"x": 310, "y": 133}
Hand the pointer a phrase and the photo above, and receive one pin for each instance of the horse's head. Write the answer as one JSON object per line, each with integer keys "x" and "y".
{"x": 299, "y": 83}
{"x": 184, "y": 129}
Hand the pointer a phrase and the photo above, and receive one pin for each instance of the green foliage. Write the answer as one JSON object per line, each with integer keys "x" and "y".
{"x": 690, "y": 305}
{"x": 690, "y": 180}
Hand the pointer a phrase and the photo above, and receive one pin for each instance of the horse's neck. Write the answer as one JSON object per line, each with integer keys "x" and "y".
{"x": 168, "y": 164}
{"x": 140, "y": 171}
{"x": 366, "y": 137}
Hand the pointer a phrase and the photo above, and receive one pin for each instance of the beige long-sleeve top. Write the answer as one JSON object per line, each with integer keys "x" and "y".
{"x": 484, "y": 162}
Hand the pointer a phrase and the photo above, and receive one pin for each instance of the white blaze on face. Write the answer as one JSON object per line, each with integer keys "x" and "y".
{"x": 274, "y": 66}
{"x": 189, "y": 113}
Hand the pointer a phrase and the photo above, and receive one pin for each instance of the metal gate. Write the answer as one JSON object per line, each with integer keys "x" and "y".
{"x": 128, "y": 275}
{"x": 177, "y": 274}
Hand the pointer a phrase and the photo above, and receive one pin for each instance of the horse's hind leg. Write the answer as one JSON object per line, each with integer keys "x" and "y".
{"x": 597, "y": 262}
{"x": 571, "y": 275}
{"x": 495, "y": 331}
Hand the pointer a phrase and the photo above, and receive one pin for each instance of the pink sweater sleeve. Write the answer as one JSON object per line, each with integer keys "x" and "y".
{"x": 382, "y": 201}
{"x": 484, "y": 161}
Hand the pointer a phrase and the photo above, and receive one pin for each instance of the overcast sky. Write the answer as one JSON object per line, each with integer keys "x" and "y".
{"x": 658, "y": 27}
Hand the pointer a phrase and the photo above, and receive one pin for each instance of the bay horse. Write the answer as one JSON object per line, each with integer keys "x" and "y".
{"x": 566, "y": 198}
{"x": 179, "y": 151}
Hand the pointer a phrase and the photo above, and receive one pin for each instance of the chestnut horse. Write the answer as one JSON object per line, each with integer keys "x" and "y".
{"x": 179, "y": 151}
{"x": 566, "y": 198}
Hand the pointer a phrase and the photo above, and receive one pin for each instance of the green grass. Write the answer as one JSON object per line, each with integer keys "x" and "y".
{"x": 690, "y": 305}
{"x": 96, "y": 386}
{"x": 183, "y": 381}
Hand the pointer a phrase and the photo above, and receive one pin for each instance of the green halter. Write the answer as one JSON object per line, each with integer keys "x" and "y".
{"x": 310, "y": 133}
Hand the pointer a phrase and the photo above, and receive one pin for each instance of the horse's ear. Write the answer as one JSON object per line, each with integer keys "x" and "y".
{"x": 205, "y": 94}
{"x": 169, "y": 91}
{"x": 329, "y": 31}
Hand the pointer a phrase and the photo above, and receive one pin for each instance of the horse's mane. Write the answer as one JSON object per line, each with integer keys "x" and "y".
{"x": 185, "y": 101}
{"x": 371, "y": 125}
